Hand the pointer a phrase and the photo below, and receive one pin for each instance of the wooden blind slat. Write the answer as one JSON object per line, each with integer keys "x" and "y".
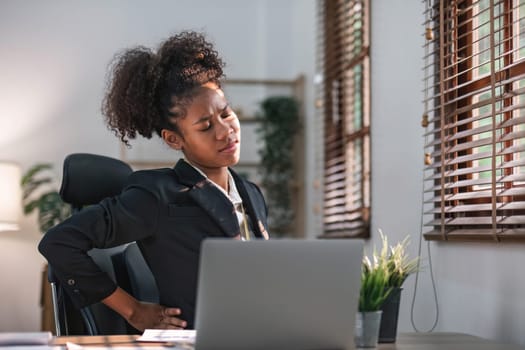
{"x": 345, "y": 38}
{"x": 475, "y": 93}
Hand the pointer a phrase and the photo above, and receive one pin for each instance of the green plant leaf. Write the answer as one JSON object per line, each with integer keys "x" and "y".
{"x": 30, "y": 206}
{"x": 31, "y": 186}
{"x": 279, "y": 122}
{"x": 388, "y": 269}
{"x": 374, "y": 289}
{"x": 33, "y": 171}
{"x": 51, "y": 209}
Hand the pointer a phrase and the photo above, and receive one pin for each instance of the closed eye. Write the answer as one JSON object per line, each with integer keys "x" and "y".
{"x": 206, "y": 122}
{"x": 227, "y": 112}
{"x": 206, "y": 126}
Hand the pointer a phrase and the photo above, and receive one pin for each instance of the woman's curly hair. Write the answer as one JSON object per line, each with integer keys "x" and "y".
{"x": 144, "y": 86}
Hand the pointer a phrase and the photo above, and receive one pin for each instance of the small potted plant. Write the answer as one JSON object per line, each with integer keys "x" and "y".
{"x": 381, "y": 281}
{"x": 373, "y": 293}
{"x": 394, "y": 260}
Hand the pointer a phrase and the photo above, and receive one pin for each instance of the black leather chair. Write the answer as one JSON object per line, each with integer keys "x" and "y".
{"x": 87, "y": 179}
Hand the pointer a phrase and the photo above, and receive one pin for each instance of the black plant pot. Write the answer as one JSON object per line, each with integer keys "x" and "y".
{"x": 388, "y": 327}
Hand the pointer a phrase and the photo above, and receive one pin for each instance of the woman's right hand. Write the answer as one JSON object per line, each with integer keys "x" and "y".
{"x": 142, "y": 315}
{"x": 149, "y": 315}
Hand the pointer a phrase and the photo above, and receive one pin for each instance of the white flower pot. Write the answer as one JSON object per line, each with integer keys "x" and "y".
{"x": 367, "y": 328}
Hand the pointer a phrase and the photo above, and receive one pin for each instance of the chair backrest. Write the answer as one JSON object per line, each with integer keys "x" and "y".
{"x": 87, "y": 179}
{"x": 142, "y": 283}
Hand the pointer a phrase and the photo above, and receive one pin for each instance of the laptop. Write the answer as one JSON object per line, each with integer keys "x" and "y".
{"x": 278, "y": 294}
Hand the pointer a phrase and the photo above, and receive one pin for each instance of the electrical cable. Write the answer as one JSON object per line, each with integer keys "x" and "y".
{"x": 436, "y": 304}
{"x": 428, "y": 37}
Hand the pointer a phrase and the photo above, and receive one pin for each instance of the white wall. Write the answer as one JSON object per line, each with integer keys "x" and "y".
{"x": 53, "y": 58}
{"x": 479, "y": 286}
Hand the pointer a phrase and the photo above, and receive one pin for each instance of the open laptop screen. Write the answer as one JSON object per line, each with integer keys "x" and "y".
{"x": 278, "y": 294}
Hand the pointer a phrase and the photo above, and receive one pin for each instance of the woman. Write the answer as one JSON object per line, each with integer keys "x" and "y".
{"x": 175, "y": 93}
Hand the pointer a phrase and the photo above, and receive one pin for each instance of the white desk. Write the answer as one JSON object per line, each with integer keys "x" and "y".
{"x": 405, "y": 341}
{"x": 444, "y": 341}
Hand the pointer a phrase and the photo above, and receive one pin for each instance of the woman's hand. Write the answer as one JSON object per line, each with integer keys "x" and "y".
{"x": 148, "y": 315}
{"x": 142, "y": 315}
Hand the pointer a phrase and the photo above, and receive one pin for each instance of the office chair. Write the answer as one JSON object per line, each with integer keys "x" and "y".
{"x": 142, "y": 284}
{"x": 87, "y": 179}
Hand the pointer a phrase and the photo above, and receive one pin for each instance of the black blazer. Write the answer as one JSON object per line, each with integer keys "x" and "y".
{"x": 168, "y": 212}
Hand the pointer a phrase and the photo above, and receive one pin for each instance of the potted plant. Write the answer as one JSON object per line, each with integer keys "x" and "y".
{"x": 40, "y": 195}
{"x": 395, "y": 261}
{"x": 381, "y": 281}
{"x": 373, "y": 293}
{"x": 279, "y": 123}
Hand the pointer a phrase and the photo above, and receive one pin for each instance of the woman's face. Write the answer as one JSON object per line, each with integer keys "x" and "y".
{"x": 210, "y": 135}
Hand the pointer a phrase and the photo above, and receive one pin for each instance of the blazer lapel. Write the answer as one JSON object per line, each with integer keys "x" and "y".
{"x": 209, "y": 198}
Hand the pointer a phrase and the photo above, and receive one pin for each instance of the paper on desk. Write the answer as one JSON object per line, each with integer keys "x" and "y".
{"x": 25, "y": 338}
{"x": 74, "y": 346}
{"x": 169, "y": 335}
{"x": 33, "y": 347}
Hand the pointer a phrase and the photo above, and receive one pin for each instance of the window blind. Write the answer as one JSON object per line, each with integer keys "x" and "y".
{"x": 474, "y": 89}
{"x": 345, "y": 110}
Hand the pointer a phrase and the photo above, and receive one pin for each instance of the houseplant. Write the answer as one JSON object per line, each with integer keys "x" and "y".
{"x": 40, "y": 195}
{"x": 373, "y": 293}
{"x": 381, "y": 281}
{"x": 279, "y": 123}
{"x": 394, "y": 260}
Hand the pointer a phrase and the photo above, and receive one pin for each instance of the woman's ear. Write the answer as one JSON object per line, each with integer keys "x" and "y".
{"x": 172, "y": 139}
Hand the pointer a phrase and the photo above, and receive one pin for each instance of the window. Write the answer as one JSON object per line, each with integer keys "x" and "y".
{"x": 345, "y": 110}
{"x": 475, "y": 102}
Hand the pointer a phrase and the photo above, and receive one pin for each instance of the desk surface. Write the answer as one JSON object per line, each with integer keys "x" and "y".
{"x": 405, "y": 341}
{"x": 448, "y": 341}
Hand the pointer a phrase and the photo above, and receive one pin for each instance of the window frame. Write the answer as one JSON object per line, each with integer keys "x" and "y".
{"x": 460, "y": 200}
{"x": 344, "y": 106}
